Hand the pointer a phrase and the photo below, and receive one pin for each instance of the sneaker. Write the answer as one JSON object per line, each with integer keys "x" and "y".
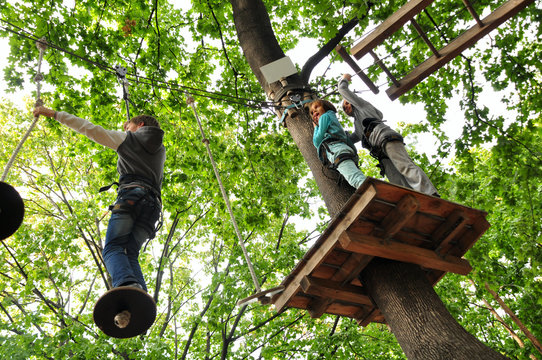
{"x": 133, "y": 284}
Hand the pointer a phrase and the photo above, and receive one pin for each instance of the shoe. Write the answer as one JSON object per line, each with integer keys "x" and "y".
{"x": 133, "y": 284}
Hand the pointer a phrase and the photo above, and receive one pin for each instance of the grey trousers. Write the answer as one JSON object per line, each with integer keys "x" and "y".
{"x": 400, "y": 169}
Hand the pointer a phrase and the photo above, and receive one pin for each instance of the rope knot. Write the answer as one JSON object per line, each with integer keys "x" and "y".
{"x": 189, "y": 100}
{"x": 38, "y": 77}
{"x": 39, "y": 102}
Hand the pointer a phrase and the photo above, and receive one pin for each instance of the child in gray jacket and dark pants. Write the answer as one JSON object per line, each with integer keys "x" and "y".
{"x": 384, "y": 143}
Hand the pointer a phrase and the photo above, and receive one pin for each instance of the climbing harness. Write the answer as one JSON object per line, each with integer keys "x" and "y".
{"x": 263, "y": 296}
{"x": 121, "y": 76}
{"x": 334, "y": 167}
{"x": 298, "y": 105}
{"x": 377, "y": 152}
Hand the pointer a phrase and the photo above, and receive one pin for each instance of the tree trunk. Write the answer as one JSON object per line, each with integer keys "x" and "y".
{"x": 261, "y": 47}
{"x": 419, "y": 320}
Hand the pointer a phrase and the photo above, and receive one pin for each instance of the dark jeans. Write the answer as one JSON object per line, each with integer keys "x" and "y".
{"x": 133, "y": 220}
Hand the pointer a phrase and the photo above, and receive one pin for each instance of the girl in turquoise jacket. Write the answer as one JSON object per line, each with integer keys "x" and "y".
{"x": 332, "y": 143}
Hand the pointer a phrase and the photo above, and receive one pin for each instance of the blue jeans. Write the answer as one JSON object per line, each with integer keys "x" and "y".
{"x": 134, "y": 215}
{"x": 347, "y": 168}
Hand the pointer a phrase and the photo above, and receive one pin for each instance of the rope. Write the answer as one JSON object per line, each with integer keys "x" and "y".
{"x": 190, "y": 101}
{"x": 42, "y": 46}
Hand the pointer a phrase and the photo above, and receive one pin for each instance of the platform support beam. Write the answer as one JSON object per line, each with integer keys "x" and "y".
{"x": 399, "y": 216}
{"x": 384, "y": 68}
{"x": 334, "y": 290}
{"x": 347, "y": 59}
{"x": 420, "y": 31}
{"x": 370, "y": 245}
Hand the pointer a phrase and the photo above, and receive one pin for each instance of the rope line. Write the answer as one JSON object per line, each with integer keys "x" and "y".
{"x": 136, "y": 78}
{"x": 190, "y": 101}
{"x": 42, "y": 46}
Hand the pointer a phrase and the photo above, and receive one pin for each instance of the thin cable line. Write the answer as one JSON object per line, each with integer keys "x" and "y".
{"x": 152, "y": 82}
{"x": 38, "y": 78}
{"x": 190, "y": 101}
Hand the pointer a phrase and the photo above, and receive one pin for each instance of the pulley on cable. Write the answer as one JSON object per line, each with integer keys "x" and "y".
{"x": 11, "y": 203}
{"x": 121, "y": 76}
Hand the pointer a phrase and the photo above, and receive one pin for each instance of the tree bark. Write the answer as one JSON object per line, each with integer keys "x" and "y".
{"x": 415, "y": 313}
{"x": 417, "y": 317}
{"x": 261, "y": 47}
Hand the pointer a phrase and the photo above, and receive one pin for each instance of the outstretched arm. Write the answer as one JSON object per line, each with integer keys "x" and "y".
{"x": 109, "y": 138}
{"x": 365, "y": 107}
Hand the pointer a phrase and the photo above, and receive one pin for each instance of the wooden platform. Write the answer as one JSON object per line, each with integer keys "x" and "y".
{"x": 384, "y": 220}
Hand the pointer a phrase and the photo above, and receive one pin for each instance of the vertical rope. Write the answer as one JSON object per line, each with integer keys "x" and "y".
{"x": 190, "y": 101}
{"x": 42, "y": 46}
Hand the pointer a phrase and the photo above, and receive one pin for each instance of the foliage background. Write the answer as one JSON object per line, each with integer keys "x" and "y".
{"x": 49, "y": 278}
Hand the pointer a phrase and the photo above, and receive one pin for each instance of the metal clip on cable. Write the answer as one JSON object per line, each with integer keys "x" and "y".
{"x": 121, "y": 75}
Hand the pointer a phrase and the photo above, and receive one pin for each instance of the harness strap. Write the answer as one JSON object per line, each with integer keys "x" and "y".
{"x": 107, "y": 187}
{"x": 379, "y": 152}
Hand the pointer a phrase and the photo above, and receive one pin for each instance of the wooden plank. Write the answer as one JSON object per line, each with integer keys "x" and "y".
{"x": 369, "y": 317}
{"x": 324, "y": 272}
{"x": 348, "y": 272}
{"x": 374, "y": 246}
{"x": 383, "y": 66}
{"x": 293, "y": 287}
{"x": 347, "y": 59}
{"x": 428, "y": 204}
{"x": 318, "y": 307}
{"x": 351, "y": 268}
{"x": 333, "y": 290}
{"x": 388, "y": 27}
{"x": 473, "y": 12}
{"x": 336, "y": 257}
{"x": 420, "y": 31}
{"x": 300, "y": 302}
{"x": 444, "y": 235}
{"x": 454, "y": 48}
{"x": 467, "y": 239}
{"x": 401, "y": 214}
{"x": 343, "y": 309}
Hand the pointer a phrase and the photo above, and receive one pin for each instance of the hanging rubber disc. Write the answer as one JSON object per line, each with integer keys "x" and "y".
{"x": 137, "y": 306}
{"x": 11, "y": 210}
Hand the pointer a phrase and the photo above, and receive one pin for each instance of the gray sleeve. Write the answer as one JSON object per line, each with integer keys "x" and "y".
{"x": 109, "y": 138}
{"x": 353, "y": 137}
{"x": 362, "y": 106}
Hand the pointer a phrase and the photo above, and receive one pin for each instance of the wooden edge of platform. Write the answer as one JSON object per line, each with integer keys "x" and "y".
{"x": 325, "y": 243}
